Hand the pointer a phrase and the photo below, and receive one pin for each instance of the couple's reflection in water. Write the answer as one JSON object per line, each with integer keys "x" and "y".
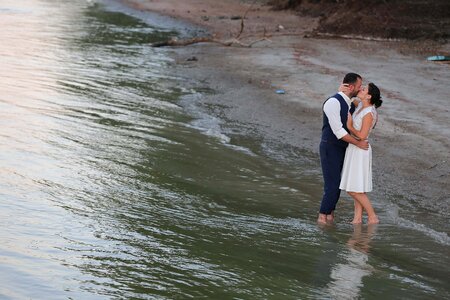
{"x": 346, "y": 276}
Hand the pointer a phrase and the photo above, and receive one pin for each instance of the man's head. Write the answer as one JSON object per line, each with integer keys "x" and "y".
{"x": 354, "y": 82}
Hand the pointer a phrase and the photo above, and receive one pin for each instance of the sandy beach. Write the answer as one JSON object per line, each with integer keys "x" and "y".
{"x": 411, "y": 141}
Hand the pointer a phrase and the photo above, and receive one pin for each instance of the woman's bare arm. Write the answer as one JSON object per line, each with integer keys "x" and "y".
{"x": 365, "y": 128}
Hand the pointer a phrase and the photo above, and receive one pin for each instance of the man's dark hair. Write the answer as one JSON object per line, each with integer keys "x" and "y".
{"x": 351, "y": 78}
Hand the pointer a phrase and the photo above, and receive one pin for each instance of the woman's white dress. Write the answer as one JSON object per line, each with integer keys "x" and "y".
{"x": 357, "y": 170}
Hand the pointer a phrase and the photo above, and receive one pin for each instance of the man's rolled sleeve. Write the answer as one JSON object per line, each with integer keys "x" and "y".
{"x": 332, "y": 109}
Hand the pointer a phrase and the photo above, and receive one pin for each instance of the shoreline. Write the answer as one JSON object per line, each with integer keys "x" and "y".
{"x": 411, "y": 142}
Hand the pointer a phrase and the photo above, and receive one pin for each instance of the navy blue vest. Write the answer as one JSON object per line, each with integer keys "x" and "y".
{"x": 327, "y": 133}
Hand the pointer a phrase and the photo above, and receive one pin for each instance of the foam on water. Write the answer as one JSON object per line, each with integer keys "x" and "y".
{"x": 207, "y": 123}
{"x": 184, "y": 29}
{"x": 440, "y": 237}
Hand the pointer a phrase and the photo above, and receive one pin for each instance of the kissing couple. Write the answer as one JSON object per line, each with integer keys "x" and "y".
{"x": 345, "y": 153}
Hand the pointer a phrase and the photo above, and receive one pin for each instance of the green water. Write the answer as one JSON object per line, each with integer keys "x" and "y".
{"x": 110, "y": 188}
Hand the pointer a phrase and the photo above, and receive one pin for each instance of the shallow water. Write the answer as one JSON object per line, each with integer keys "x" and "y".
{"x": 114, "y": 184}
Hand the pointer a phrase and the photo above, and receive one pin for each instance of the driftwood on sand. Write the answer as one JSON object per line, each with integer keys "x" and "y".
{"x": 211, "y": 39}
{"x": 186, "y": 42}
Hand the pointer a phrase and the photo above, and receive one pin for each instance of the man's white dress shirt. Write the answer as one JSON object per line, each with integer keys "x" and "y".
{"x": 332, "y": 109}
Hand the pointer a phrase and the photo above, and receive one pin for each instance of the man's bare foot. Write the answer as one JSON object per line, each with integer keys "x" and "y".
{"x": 356, "y": 221}
{"x": 330, "y": 217}
{"x": 373, "y": 220}
{"x": 322, "y": 219}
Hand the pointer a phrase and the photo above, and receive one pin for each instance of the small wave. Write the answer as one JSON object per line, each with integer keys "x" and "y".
{"x": 211, "y": 127}
{"x": 207, "y": 123}
{"x": 413, "y": 282}
{"x": 151, "y": 18}
{"x": 440, "y": 237}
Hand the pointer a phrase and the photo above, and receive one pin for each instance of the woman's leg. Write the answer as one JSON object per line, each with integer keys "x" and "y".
{"x": 357, "y": 219}
{"x": 364, "y": 201}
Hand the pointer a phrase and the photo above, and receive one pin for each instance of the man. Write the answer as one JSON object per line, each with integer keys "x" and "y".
{"x": 335, "y": 139}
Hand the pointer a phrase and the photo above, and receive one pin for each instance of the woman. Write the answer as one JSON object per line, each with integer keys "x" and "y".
{"x": 356, "y": 176}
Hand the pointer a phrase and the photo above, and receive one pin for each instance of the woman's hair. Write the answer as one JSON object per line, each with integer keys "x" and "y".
{"x": 374, "y": 91}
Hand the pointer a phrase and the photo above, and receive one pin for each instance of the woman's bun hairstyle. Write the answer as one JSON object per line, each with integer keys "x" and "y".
{"x": 374, "y": 92}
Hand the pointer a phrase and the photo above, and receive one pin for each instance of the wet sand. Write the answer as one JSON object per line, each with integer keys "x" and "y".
{"x": 412, "y": 139}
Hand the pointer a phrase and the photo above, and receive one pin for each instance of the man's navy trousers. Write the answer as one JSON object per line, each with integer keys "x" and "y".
{"x": 332, "y": 159}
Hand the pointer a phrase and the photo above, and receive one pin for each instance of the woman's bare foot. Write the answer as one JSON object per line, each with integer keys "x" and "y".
{"x": 373, "y": 220}
{"x": 356, "y": 221}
